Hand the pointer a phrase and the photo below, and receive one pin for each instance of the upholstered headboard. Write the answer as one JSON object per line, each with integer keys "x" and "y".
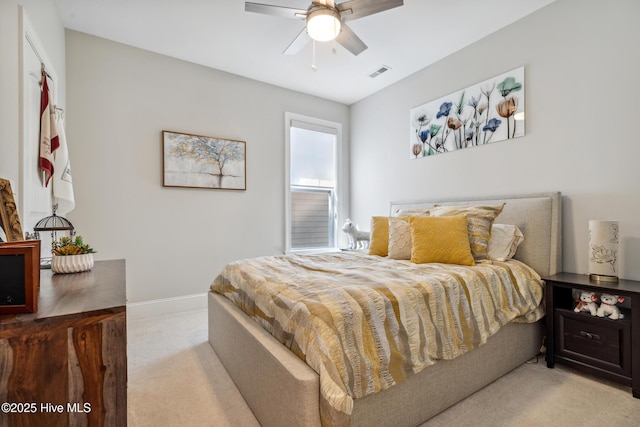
{"x": 539, "y": 216}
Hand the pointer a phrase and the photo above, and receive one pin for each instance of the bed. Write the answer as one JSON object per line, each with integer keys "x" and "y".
{"x": 281, "y": 389}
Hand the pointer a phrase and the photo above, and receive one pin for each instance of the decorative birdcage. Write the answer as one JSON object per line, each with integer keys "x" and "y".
{"x": 58, "y": 226}
{"x": 55, "y": 224}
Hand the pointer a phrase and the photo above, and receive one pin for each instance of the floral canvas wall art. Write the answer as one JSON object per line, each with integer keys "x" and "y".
{"x": 486, "y": 112}
{"x": 203, "y": 162}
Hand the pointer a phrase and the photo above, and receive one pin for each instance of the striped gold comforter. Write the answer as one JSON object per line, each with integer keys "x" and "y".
{"x": 364, "y": 323}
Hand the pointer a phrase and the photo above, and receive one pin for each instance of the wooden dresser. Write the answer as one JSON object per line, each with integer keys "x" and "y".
{"x": 66, "y": 365}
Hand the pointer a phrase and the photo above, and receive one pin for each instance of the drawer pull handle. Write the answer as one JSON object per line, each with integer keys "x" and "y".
{"x": 589, "y": 335}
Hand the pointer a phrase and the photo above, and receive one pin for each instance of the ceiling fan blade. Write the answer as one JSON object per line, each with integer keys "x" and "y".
{"x": 348, "y": 39}
{"x": 298, "y": 43}
{"x": 268, "y": 9}
{"x": 329, "y": 3}
{"x": 354, "y": 9}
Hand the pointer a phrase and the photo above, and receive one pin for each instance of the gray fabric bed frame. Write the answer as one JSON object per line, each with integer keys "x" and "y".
{"x": 281, "y": 390}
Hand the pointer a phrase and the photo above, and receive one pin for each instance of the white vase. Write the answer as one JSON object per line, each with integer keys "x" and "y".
{"x": 71, "y": 263}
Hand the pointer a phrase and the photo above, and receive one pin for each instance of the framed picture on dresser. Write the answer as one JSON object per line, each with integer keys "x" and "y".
{"x": 9, "y": 218}
{"x": 19, "y": 276}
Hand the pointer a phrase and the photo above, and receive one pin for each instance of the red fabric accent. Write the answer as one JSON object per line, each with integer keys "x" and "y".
{"x": 46, "y": 166}
{"x": 55, "y": 143}
{"x": 49, "y": 141}
{"x": 44, "y": 95}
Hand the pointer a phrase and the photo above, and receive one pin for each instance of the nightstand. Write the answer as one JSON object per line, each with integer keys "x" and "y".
{"x": 597, "y": 345}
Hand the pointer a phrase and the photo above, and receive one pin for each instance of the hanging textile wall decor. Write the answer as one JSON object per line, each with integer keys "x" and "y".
{"x": 490, "y": 111}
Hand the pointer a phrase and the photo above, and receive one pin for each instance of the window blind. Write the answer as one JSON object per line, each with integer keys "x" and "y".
{"x": 310, "y": 218}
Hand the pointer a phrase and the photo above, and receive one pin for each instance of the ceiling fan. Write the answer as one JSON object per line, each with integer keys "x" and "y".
{"x": 326, "y": 20}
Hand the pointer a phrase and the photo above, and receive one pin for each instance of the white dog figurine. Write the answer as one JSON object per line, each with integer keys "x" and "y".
{"x": 587, "y": 302}
{"x": 357, "y": 239}
{"x": 609, "y": 308}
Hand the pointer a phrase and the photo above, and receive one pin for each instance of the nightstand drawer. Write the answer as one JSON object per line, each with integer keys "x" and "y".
{"x": 596, "y": 341}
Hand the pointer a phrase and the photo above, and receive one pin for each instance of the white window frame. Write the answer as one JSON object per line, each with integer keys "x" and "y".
{"x": 312, "y": 123}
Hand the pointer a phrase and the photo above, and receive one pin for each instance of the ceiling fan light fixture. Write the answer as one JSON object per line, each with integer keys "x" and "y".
{"x": 323, "y": 24}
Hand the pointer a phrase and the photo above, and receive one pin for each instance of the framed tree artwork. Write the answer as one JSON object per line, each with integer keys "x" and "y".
{"x": 196, "y": 161}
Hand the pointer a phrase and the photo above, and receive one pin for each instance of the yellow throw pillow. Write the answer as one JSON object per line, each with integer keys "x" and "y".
{"x": 379, "y": 244}
{"x": 480, "y": 219}
{"x": 440, "y": 239}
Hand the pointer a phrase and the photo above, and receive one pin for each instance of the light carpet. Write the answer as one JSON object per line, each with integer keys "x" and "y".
{"x": 176, "y": 379}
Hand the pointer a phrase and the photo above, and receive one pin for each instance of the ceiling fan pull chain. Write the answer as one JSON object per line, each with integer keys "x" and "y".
{"x": 313, "y": 57}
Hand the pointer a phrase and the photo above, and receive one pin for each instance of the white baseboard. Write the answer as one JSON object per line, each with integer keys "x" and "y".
{"x": 158, "y": 307}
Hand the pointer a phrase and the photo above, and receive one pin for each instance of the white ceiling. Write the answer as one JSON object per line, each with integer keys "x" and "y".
{"x": 221, "y": 35}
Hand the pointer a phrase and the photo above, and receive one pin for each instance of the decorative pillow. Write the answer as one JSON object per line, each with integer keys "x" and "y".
{"x": 379, "y": 244}
{"x": 412, "y": 212}
{"x": 480, "y": 219}
{"x": 440, "y": 239}
{"x": 504, "y": 241}
{"x": 399, "y": 238}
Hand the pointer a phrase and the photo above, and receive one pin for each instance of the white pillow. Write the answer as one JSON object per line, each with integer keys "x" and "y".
{"x": 504, "y": 241}
{"x": 412, "y": 212}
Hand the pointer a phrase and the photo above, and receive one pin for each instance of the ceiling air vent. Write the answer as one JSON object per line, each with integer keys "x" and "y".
{"x": 379, "y": 71}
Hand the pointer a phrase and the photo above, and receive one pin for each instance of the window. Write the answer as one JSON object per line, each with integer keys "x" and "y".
{"x": 312, "y": 183}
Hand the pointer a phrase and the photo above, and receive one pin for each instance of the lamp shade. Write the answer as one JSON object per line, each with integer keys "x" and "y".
{"x": 604, "y": 244}
{"x": 323, "y": 24}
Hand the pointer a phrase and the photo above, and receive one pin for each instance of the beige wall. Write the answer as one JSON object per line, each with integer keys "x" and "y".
{"x": 175, "y": 240}
{"x": 581, "y": 68}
